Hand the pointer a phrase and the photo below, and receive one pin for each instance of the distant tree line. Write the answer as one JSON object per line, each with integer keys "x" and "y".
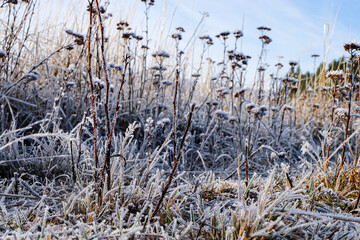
{"x": 309, "y": 79}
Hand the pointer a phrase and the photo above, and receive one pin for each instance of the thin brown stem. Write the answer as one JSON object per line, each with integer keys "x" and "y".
{"x": 348, "y": 117}
{"x": 331, "y": 125}
{"x": 177, "y": 74}
{"x": 173, "y": 170}
{"x": 92, "y": 99}
{"x": 106, "y": 164}
{"x": 359, "y": 73}
{"x": 72, "y": 162}
{"x": 357, "y": 200}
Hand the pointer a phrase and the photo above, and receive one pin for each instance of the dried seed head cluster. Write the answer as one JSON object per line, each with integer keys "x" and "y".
{"x": 261, "y": 69}
{"x": 176, "y": 36}
{"x": 79, "y": 38}
{"x": 159, "y": 68}
{"x": 288, "y": 108}
{"x": 240, "y": 92}
{"x": 275, "y": 109}
{"x": 161, "y": 54}
{"x": 222, "y": 92}
{"x": 279, "y": 65}
{"x": 352, "y": 46}
{"x": 122, "y": 25}
{"x": 116, "y": 67}
{"x": 265, "y": 39}
{"x": 260, "y": 111}
{"x": 16, "y": 1}
{"x": 180, "y": 29}
{"x": 238, "y": 34}
{"x": 290, "y": 80}
{"x": 293, "y": 63}
{"x": 166, "y": 83}
{"x": 293, "y": 89}
{"x": 128, "y": 35}
{"x": 150, "y": 2}
{"x": 341, "y": 113}
{"x": 336, "y": 76}
{"x": 2, "y": 54}
{"x": 250, "y": 106}
{"x": 263, "y": 28}
{"x": 223, "y": 35}
{"x": 69, "y": 47}
{"x": 207, "y": 39}
{"x": 222, "y": 115}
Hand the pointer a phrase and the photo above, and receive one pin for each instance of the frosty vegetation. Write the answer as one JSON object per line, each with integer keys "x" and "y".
{"x": 105, "y": 135}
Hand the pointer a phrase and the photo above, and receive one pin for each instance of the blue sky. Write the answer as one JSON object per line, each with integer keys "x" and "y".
{"x": 298, "y": 26}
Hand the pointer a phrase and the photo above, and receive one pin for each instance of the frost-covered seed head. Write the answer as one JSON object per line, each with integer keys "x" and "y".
{"x": 341, "y": 113}
{"x": 290, "y": 80}
{"x": 250, "y": 106}
{"x": 161, "y": 54}
{"x": 222, "y": 114}
{"x": 351, "y": 46}
{"x": 288, "y": 108}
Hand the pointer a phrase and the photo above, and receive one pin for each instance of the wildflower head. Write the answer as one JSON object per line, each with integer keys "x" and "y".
{"x": 275, "y": 109}
{"x": 250, "y": 106}
{"x": 292, "y": 63}
{"x": 139, "y": 37}
{"x": 288, "y": 108}
{"x": 232, "y": 119}
{"x": 265, "y": 39}
{"x": 79, "y": 38}
{"x": 279, "y": 65}
{"x": 116, "y": 67}
{"x": 290, "y": 80}
{"x": 206, "y": 39}
{"x": 222, "y": 91}
{"x": 67, "y": 47}
{"x": 352, "y": 46}
{"x": 225, "y": 34}
{"x": 150, "y": 2}
{"x": 293, "y": 89}
{"x": 2, "y": 54}
{"x": 177, "y": 36}
{"x": 128, "y": 35}
{"x": 180, "y": 29}
{"x": 240, "y": 93}
{"x": 337, "y": 76}
{"x": 341, "y": 113}
{"x": 259, "y": 112}
{"x": 262, "y": 28}
{"x": 238, "y": 34}
{"x": 122, "y": 25}
{"x": 222, "y": 115}
{"x": 161, "y": 54}
{"x": 166, "y": 83}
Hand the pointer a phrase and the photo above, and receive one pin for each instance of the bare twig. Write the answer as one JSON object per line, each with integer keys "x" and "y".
{"x": 92, "y": 99}
{"x": 176, "y": 161}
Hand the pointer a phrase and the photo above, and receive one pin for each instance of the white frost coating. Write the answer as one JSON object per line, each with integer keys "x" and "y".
{"x": 222, "y": 114}
{"x": 342, "y": 217}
